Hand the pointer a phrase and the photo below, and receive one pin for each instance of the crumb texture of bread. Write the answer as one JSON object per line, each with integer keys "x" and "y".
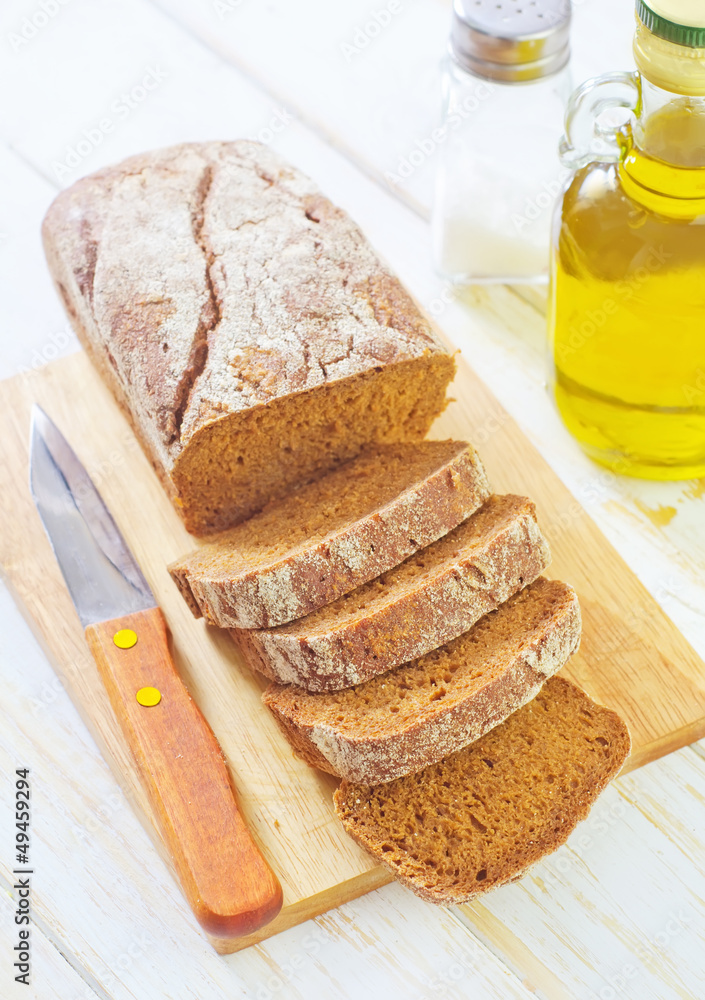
{"x": 404, "y": 720}
{"x": 331, "y": 536}
{"x": 429, "y": 599}
{"x": 483, "y": 816}
{"x": 251, "y": 334}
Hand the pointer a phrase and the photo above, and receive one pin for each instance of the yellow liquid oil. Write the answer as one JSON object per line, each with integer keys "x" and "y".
{"x": 627, "y": 303}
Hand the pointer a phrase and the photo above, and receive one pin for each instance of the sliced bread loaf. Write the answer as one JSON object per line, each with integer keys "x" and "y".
{"x": 404, "y": 720}
{"x": 486, "y": 814}
{"x": 432, "y": 597}
{"x": 327, "y": 538}
{"x": 244, "y": 323}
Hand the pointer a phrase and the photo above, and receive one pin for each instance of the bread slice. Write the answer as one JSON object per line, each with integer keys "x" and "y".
{"x": 404, "y": 720}
{"x": 327, "y": 538}
{"x": 248, "y": 329}
{"x": 486, "y": 814}
{"x": 432, "y": 597}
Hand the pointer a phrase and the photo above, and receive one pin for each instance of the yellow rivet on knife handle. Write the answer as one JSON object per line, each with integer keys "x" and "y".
{"x": 125, "y": 638}
{"x": 149, "y": 697}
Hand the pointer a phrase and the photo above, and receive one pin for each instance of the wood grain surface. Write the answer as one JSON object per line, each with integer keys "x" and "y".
{"x": 620, "y": 910}
{"x": 632, "y": 657}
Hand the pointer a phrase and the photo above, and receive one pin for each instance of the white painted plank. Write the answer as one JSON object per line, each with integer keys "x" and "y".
{"x": 51, "y": 976}
{"x": 391, "y": 944}
{"x": 389, "y": 89}
{"x": 202, "y": 99}
{"x": 103, "y": 896}
{"x": 620, "y": 910}
{"x": 91, "y": 57}
{"x": 367, "y": 75}
{"x": 671, "y": 794}
{"x": 123, "y": 78}
{"x": 35, "y": 329}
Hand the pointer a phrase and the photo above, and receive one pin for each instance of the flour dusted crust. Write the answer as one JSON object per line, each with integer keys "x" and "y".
{"x": 211, "y": 280}
{"x": 430, "y": 599}
{"x": 336, "y": 538}
{"x": 342, "y": 744}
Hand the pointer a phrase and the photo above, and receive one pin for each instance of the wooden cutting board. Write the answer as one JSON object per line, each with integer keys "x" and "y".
{"x": 632, "y": 657}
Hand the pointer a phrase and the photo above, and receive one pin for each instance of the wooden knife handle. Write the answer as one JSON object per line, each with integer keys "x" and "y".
{"x": 228, "y": 884}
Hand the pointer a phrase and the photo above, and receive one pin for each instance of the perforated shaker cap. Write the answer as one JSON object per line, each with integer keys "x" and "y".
{"x": 511, "y": 40}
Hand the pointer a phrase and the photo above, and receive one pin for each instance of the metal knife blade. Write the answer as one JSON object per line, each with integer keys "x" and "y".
{"x": 102, "y": 576}
{"x": 232, "y": 890}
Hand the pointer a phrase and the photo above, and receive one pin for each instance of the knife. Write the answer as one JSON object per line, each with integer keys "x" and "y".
{"x": 226, "y": 880}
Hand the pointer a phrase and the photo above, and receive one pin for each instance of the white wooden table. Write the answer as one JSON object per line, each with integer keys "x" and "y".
{"x": 618, "y": 912}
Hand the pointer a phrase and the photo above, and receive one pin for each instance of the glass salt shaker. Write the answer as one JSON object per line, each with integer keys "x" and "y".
{"x": 506, "y": 82}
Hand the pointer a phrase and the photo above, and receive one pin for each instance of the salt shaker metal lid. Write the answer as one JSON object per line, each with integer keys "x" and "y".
{"x": 511, "y": 40}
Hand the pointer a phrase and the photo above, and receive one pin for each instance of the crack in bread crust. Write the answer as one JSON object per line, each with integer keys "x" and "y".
{"x": 212, "y": 281}
{"x": 210, "y": 314}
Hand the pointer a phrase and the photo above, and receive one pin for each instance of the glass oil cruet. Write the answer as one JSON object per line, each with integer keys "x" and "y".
{"x": 627, "y": 299}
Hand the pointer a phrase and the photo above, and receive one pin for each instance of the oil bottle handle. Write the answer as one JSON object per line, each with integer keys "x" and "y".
{"x": 590, "y": 133}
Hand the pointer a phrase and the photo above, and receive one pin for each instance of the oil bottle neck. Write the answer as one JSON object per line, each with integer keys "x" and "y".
{"x": 671, "y": 67}
{"x": 662, "y": 165}
{"x": 670, "y": 126}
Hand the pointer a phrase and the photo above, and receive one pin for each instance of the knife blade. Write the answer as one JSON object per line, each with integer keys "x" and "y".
{"x": 225, "y": 878}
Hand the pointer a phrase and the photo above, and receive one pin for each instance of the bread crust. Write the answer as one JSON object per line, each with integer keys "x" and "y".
{"x": 581, "y": 769}
{"x": 481, "y": 574}
{"x": 210, "y": 280}
{"x": 320, "y": 571}
{"x": 439, "y": 730}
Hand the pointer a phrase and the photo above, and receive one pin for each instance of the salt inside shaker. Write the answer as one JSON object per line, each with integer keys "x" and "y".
{"x": 506, "y": 81}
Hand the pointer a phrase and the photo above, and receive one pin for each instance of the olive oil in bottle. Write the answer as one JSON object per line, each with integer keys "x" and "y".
{"x": 627, "y": 303}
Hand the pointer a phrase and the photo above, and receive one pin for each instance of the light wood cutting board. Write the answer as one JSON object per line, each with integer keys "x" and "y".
{"x": 632, "y": 657}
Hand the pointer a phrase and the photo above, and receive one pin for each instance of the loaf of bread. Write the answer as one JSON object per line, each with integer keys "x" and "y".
{"x": 327, "y": 538}
{"x": 486, "y": 814}
{"x": 404, "y": 720}
{"x": 251, "y": 334}
{"x": 432, "y": 597}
